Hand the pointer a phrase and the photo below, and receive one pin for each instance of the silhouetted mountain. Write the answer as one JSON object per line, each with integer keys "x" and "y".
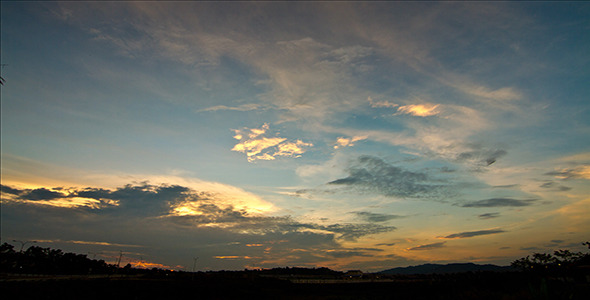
{"x": 445, "y": 269}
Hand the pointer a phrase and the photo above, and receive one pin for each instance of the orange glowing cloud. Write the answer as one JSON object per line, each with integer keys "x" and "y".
{"x": 148, "y": 265}
{"x": 419, "y": 110}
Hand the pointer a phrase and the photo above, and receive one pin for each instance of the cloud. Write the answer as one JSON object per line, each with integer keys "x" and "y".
{"x": 500, "y": 202}
{"x": 209, "y": 215}
{"x": 41, "y": 194}
{"x": 555, "y": 186}
{"x": 506, "y": 186}
{"x": 579, "y": 172}
{"x": 373, "y": 217}
{"x": 58, "y": 197}
{"x": 348, "y": 253}
{"x": 243, "y": 107}
{"x": 469, "y": 234}
{"x": 488, "y": 216}
{"x": 531, "y": 248}
{"x": 503, "y": 94}
{"x": 8, "y": 190}
{"x": 351, "y": 232}
{"x": 428, "y": 246}
{"x": 372, "y": 174}
{"x": 419, "y": 110}
{"x": 481, "y": 156}
{"x": 183, "y": 205}
{"x": 256, "y": 146}
{"x": 174, "y": 214}
{"x": 386, "y": 244}
{"x": 342, "y": 142}
{"x": 96, "y": 243}
{"x": 292, "y": 149}
{"x": 378, "y": 104}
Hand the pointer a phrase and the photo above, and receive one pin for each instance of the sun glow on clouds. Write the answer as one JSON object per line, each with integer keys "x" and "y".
{"x": 581, "y": 172}
{"x": 60, "y": 199}
{"x": 259, "y": 147}
{"x": 235, "y": 257}
{"x": 342, "y": 142}
{"x": 418, "y": 110}
{"x": 222, "y": 195}
{"x": 149, "y": 265}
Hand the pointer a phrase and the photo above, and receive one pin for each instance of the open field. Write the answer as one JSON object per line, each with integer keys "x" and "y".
{"x": 213, "y": 286}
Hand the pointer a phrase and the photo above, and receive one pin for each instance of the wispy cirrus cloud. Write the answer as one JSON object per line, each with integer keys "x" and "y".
{"x": 243, "y": 107}
{"x": 96, "y": 243}
{"x": 379, "y": 104}
{"x": 488, "y": 216}
{"x": 375, "y": 217}
{"x": 500, "y": 202}
{"x": 578, "y": 172}
{"x": 554, "y": 186}
{"x": 469, "y": 234}
{"x": 418, "y": 110}
{"x": 256, "y": 146}
{"x": 428, "y": 246}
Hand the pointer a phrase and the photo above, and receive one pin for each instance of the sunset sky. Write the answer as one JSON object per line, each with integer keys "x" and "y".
{"x": 347, "y": 135}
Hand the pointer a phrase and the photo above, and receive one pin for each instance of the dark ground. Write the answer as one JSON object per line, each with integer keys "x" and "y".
{"x": 458, "y": 286}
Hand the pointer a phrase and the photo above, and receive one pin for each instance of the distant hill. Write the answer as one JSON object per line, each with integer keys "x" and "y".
{"x": 444, "y": 269}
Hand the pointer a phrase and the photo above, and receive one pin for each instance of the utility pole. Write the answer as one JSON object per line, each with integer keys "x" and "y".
{"x": 119, "y": 260}
{"x": 194, "y": 266}
{"x": 23, "y": 243}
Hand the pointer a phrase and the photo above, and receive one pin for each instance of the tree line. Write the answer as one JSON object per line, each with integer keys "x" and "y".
{"x": 38, "y": 260}
{"x": 560, "y": 260}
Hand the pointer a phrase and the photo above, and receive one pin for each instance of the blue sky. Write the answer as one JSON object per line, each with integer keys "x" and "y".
{"x": 350, "y": 135}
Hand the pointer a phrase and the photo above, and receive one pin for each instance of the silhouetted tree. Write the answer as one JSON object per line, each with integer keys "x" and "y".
{"x": 38, "y": 260}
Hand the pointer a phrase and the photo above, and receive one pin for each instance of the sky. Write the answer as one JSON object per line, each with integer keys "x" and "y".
{"x": 348, "y": 135}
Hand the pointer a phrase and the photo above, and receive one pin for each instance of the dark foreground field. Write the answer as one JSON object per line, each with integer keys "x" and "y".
{"x": 460, "y": 286}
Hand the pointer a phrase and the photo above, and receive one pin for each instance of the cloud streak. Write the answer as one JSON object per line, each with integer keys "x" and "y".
{"x": 578, "y": 172}
{"x": 432, "y": 246}
{"x": 500, "y": 202}
{"x": 488, "y": 216}
{"x": 374, "y": 217}
{"x": 469, "y": 234}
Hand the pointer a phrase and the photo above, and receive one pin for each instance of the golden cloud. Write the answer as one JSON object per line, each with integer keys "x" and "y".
{"x": 419, "y": 110}
{"x": 256, "y": 146}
